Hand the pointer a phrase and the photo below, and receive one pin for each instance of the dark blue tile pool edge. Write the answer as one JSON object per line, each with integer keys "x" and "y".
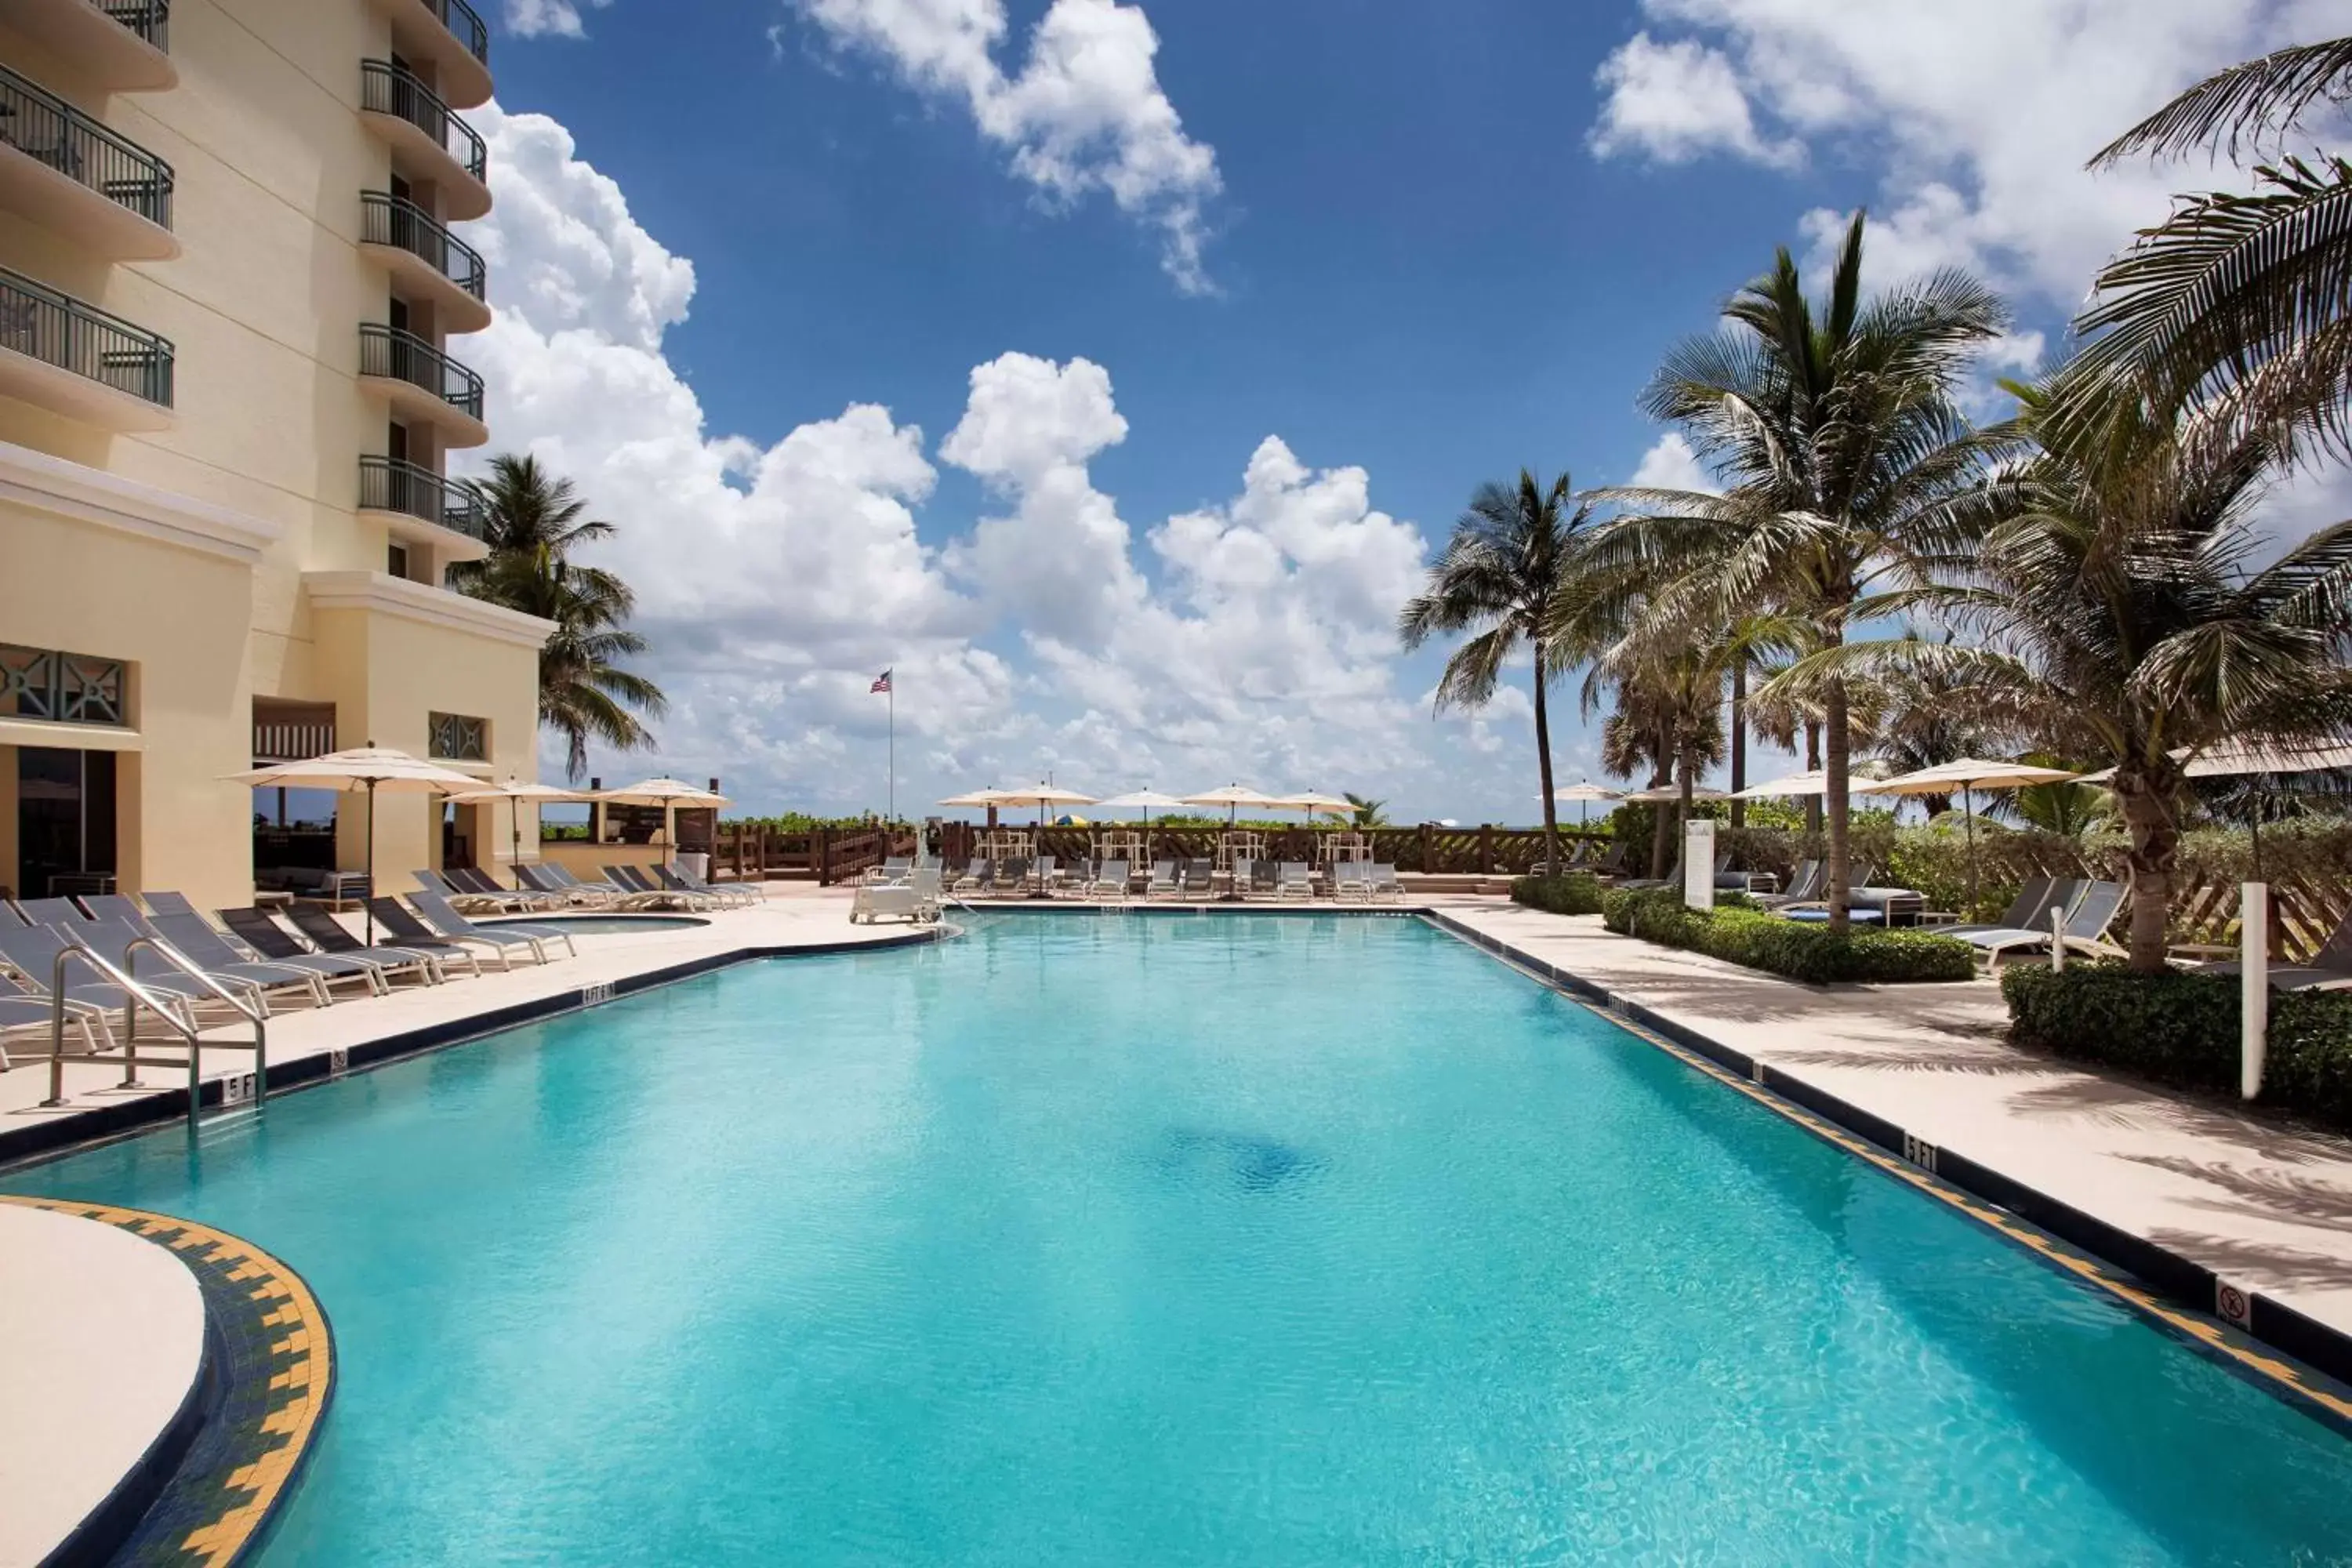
{"x": 64, "y": 1136}
{"x": 2189, "y": 1285}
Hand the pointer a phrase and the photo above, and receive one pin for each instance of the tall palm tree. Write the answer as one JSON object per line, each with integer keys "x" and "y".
{"x": 2115, "y": 581}
{"x": 1369, "y": 812}
{"x": 1836, "y": 426}
{"x": 531, "y": 520}
{"x": 2239, "y": 303}
{"x": 1507, "y": 567}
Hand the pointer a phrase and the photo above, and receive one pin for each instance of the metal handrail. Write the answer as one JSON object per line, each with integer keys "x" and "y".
{"x": 57, "y": 328}
{"x": 135, "y": 994}
{"x": 389, "y": 89}
{"x": 387, "y": 219}
{"x": 403, "y": 356}
{"x": 464, "y": 24}
{"x": 49, "y": 130}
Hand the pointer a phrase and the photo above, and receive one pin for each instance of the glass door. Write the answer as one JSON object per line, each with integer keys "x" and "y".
{"x": 65, "y": 820}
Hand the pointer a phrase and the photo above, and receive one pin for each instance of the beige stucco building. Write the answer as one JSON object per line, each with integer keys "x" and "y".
{"x": 231, "y": 373}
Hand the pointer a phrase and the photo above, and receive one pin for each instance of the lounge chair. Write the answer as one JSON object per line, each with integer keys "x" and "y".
{"x": 268, "y": 938}
{"x": 1012, "y": 877}
{"x": 738, "y": 894}
{"x": 1200, "y": 879}
{"x": 1163, "y": 882}
{"x": 2330, "y": 968}
{"x": 1297, "y": 880}
{"x": 2085, "y": 927}
{"x": 2029, "y": 910}
{"x": 1265, "y": 881}
{"x": 975, "y": 876}
{"x": 51, "y": 912}
{"x": 438, "y": 912}
{"x": 1804, "y": 887}
{"x": 328, "y": 935}
{"x": 1047, "y": 870}
{"x": 1383, "y": 885}
{"x": 195, "y": 938}
{"x": 1612, "y": 863}
{"x": 666, "y": 881}
{"x": 121, "y": 923}
{"x": 560, "y": 883}
{"x": 460, "y": 888}
{"x": 1109, "y": 881}
{"x": 637, "y": 891}
{"x": 397, "y": 921}
{"x": 169, "y": 903}
{"x": 894, "y": 868}
{"x": 21, "y": 1011}
{"x": 32, "y": 953}
{"x": 1351, "y": 880}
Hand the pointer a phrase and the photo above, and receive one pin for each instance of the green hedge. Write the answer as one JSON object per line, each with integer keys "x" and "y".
{"x": 1576, "y": 894}
{"x": 2182, "y": 1029}
{"x": 1741, "y": 934}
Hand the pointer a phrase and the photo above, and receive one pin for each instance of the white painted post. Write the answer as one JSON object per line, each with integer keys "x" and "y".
{"x": 2057, "y": 941}
{"x": 1698, "y": 863}
{"x": 2254, "y": 983}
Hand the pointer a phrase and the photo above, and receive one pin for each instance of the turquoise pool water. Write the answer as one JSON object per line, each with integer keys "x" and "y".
{"x": 1183, "y": 1241}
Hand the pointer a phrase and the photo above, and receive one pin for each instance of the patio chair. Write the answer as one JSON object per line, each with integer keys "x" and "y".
{"x": 1612, "y": 862}
{"x": 23, "y": 1013}
{"x": 2085, "y": 927}
{"x": 541, "y": 879}
{"x": 327, "y": 935}
{"x": 1804, "y": 887}
{"x": 667, "y": 880}
{"x": 975, "y": 876}
{"x": 195, "y": 938}
{"x": 1296, "y": 881}
{"x": 894, "y": 868}
{"x": 169, "y": 903}
{"x": 1383, "y": 884}
{"x": 1351, "y": 880}
{"x": 2029, "y": 910}
{"x": 1200, "y": 879}
{"x": 1012, "y": 877}
{"x": 462, "y": 888}
{"x": 636, "y": 889}
{"x": 738, "y": 894}
{"x": 2330, "y": 968}
{"x": 50, "y": 912}
{"x": 266, "y": 937}
{"x": 117, "y": 924}
{"x": 31, "y": 952}
{"x": 398, "y": 921}
{"x": 439, "y": 913}
{"x": 1162, "y": 883}
{"x": 1109, "y": 881}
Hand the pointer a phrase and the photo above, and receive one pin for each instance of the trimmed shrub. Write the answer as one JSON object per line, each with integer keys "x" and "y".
{"x": 2182, "y": 1029}
{"x": 1741, "y": 934}
{"x": 1578, "y": 893}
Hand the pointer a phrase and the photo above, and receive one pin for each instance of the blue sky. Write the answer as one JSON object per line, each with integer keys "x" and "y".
{"x": 1418, "y": 246}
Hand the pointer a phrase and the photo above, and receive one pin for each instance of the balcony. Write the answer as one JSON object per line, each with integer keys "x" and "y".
{"x": 75, "y": 360}
{"x": 117, "y": 45}
{"x": 422, "y": 508}
{"x": 427, "y": 141}
{"x": 421, "y": 383}
{"x": 449, "y": 36}
{"x": 75, "y": 177}
{"x": 427, "y": 260}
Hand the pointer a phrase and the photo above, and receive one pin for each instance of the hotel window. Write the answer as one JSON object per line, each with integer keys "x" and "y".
{"x": 59, "y": 688}
{"x": 456, "y": 738}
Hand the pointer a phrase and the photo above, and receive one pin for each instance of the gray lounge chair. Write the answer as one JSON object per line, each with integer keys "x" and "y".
{"x": 325, "y": 933}
{"x": 732, "y": 893}
{"x": 21, "y": 1011}
{"x": 460, "y": 888}
{"x": 259, "y": 980}
{"x": 2029, "y": 910}
{"x": 265, "y": 936}
{"x": 2085, "y": 927}
{"x": 51, "y": 912}
{"x": 1108, "y": 882}
{"x": 32, "y": 953}
{"x": 1804, "y": 887}
{"x": 1385, "y": 886}
{"x": 1200, "y": 879}
{"x": 404, "y": 925}
{"x": 197, "y": 941}
{"x": 439, "y": 913}
{"x": 2330, "y": 968}
{"x": 1296, "y": 879}
{"x": 1163, "y": 882}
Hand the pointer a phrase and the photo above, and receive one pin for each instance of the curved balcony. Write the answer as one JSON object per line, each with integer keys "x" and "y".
{"x": 427, "y": 260}
{"x": 75, "y": 177}
{"x": 119, "y": 46}
{"x": 449, "y": 34}
{"x": 427, "y": 141}
{"x": 73, "y": 359}
{"x": 421, "y": 383}
{"x": 422, "y": 508}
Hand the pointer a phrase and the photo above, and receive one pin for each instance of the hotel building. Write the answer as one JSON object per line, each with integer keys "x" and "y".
{"x": 232, "y": 369}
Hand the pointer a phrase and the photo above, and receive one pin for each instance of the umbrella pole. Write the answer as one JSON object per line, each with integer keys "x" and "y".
{"x": 514, "y": 841}
{"x": 1969, "y": 810}
{"x": 370, "y": 906}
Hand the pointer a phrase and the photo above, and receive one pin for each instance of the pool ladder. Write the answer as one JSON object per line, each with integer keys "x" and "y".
{"x": 183, "y": 1025}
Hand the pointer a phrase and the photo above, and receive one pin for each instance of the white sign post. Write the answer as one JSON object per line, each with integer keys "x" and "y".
{"x": 2254, "y": 983}
{"x": 1698, "y": 863}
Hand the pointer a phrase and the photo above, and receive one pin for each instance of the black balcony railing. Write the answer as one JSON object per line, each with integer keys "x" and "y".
{"x": 405, "y": 356}
{"x": 386, "y": 88}
{"x": 57, "y": 328}
{"x": 386, "y": 219}
{"x": 151, "y": 19}
{"x": 390, "y": 484}
{"x": 46, "y": 127}
{"x": 465, "y": 23}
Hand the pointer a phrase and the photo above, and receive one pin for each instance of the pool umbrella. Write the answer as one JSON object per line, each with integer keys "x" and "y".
{"x": 1666, "y": 791}
{"x": 514, "y": 792}
{"x": 1969, "y": 774}
{"x": 370, "y": 767}
{"x": 1584, "y": 794}
{"x": 1043, "y": 796}
{"x": 1233, "y": 797}
{"x": 2236, "y": 759}
{"x": 667, "y": 794}
{"x": 972, "y": 798}
{"x": 1860, "y": 781}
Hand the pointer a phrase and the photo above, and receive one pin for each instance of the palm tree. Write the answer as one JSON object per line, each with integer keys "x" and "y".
{"x": 1837, "y": 429}
{"x": 2124, "y": 617}
{"x": 2239, "y": 303}
{"x": 1507, "y": 567}
{"x": 532, "y": 519}
{"x": 1369, "y": 812}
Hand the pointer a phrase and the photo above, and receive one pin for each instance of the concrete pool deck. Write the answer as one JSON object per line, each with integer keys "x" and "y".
{"x": 2263, "y": 1208}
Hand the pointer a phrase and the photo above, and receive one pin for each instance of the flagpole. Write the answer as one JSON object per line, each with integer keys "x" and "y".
{"x": 892, "y": 791}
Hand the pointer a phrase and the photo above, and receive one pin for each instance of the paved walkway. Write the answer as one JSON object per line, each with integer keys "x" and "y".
{"x": 2262, "y": 1208}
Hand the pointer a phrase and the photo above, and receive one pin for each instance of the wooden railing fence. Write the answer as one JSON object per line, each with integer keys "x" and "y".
{"x": 748, "y": 851}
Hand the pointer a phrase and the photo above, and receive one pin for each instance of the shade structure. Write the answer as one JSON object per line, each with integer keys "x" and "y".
{"x": 1144, "y": 800}
{"x": 1663, "y": 793}
{"x": 1233, "y": 797}
{"x": 1041, "y": 795}
{"x": 974, "y": 797}
{"x": 1973, "y": 772}
{"x": 514, "y": 792}
{"x": 1314, "y": 805}
{"x": 1816, "y": 782}
{"x": 2234, "y": 758}
{"x": 1584, "y": 793}
{"x": 669, "y": 794}
{"x": 367, "y": 768}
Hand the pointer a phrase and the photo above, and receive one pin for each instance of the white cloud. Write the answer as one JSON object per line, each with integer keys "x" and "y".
{"x": 1085, "y": 113}
{"x": 1973, "y": 120}
{"x": 1254, "y": 638}
{"x": 1679, "y": 100}
{"x": 1671, "y": 464}
{"x": 549, "y": 18}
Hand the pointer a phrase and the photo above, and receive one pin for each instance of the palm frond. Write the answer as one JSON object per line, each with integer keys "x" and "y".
{"x": 2245, "y": 104}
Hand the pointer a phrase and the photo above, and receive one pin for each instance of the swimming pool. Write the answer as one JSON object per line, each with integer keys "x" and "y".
{"x": 1188, "y": 1239}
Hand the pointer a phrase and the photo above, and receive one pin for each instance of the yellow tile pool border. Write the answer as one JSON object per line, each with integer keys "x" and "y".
{"x": 2303, "y": 1386}
{"x": 278, "y": 1377}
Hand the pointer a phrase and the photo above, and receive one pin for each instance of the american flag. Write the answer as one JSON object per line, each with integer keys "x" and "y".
{"x": 881, "y": 684}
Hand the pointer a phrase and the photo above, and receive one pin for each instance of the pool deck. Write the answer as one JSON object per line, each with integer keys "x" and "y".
{"x": 2263, "y": 1209}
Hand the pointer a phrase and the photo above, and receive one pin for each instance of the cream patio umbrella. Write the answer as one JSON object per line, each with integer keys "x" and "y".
{"x": 1666, "y": 791}
{"x": 514, "y": 792}
{"x": 1233, "y": 797}
{"x": 1584, "y": 794}
{"x": 2233, "y": 759}
{"x": 1042, "y": 795}
{"x": 667, "y": 794}
{"x": 1146, "y": 801}
{"x": 1862, "y": 779}
{"x": 370, "y": 768}
{"x": 1971, "y": 774}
